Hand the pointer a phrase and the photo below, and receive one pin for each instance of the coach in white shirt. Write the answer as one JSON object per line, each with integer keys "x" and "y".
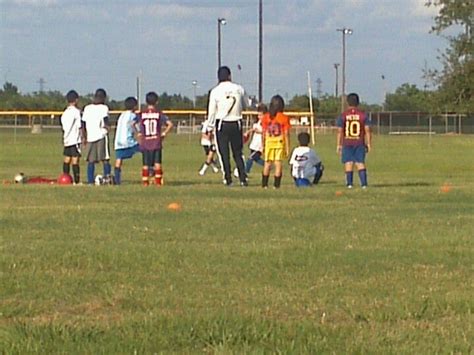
{"x": 226, "y": 102}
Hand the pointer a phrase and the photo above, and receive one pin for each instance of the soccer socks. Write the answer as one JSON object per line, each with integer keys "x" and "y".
{"x": 66, "y": 168}
{"x": 349, "y": 178}
{"x": 203, "y": 168}
{"x": 118, "y": 175}
{"x": 145, "y": 180}
{"x": 363, "y": 177}
{"x": 107, "y": 168}
{"x": 265, "y": 181}
{"x": 159, "y": 177}
{"x": 90, "y": 173}
{"x": 277, "y": 182}
{"x": 76, "y": 173}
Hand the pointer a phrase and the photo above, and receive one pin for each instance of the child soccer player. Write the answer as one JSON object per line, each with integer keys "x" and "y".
{"x": 354, "y": 140}
{"x": 276, "y": 142}
{"x": 256, "y": 144}
{"x": 71, "y": 125}
{"x": 125, "y": 143}
{"x": 95, "y": 120}
{"x": 306, "y": 166}
{"x": 207, "y": 142}
{"x": 151, "y": 137}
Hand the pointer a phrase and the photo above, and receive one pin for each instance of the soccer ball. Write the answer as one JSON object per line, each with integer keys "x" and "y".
{"x": 99, "y": 180}
{"x": 20, "y": 178}
{"x": 64, "y": 179}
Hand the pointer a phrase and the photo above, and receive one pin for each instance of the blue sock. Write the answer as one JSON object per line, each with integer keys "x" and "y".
{"x": 107, "y": 168}
{"x": 349, "y": 178}
{"x": 118, "y": 175}
{"x": 90, "y": 173}
{"x": 248, "y": 165}
{"x": 363, "y": 177}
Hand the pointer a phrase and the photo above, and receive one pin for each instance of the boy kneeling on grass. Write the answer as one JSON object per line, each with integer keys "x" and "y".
{"x": 306, "y": 166}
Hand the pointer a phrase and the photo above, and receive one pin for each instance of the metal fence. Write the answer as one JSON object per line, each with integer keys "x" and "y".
{"x": 189, "y": 121}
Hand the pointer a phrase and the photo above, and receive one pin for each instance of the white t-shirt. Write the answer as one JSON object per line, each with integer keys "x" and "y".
{"x": 205, "y": 130}
{"x": 71, "y": 124}
{"x": 226, "y": 102}
{"x": 124, "y": 137}
{"x": 94, "y": 116}
{"x": 303, "y": 161}
{"x": 256, "y": 142}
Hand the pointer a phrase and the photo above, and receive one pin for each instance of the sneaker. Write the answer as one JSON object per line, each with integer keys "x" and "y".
{"x": 215, "y": 169}
{"x": 364, "y": 187}
{"x": 244, "y": 184}
{"x": 349, "y": 186}
{"x": 201, "y": 173}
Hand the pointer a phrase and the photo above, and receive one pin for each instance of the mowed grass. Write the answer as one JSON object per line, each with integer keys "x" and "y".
{"x": 91, "y": 269}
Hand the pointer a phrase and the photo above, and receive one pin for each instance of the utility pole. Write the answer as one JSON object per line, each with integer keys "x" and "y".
{"x": 336, "y": 66}
{"x": 319, "y": 90}
{"x": 41, "y": 83}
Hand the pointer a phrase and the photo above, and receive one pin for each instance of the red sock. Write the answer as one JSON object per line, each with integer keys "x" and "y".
{"x": 159, "y": 177}
{"x": 145, "y": 180}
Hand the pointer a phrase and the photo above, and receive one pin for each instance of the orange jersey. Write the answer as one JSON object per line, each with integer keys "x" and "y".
{"x": 276, "y": 127}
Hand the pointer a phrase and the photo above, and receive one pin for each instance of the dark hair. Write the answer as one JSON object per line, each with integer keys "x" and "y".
{"x": 353, "y": 99}
{"x": 261, "y": 107}
{"x": 130, "y": 103}
{"x": 151, "y": 98}
{"x": 223, "y": 74}
{"x": 304, "y": 138}
{"x": 276, "y": 105}
{"x": 100, "y": 96}
{"x": 72, "y": 96}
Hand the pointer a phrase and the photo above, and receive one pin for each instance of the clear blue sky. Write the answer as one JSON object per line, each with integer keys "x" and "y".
{"x": 85, "y": 44}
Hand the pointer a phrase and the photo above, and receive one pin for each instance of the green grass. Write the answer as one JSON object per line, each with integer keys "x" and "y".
{"x": 112, "y": 270}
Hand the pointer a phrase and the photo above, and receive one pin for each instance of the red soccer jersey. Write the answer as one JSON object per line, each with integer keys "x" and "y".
{"x": 353, "y": 123}
{"x": 151, "y": 121}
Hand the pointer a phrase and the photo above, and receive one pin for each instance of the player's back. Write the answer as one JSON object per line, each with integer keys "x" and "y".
{"x": 151, "y": 121}
{"x": 353, "y": 122}
{"x": 71, "y": 124}
{"x": 95, "y": 116}
{"x": 124, "y": 132}
{"x": 303, "y": 160}
{"x": 227, "y": 100}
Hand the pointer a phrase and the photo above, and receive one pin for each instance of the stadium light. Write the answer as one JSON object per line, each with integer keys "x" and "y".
{"x": 345, "y": 31}
{"x": 220, "y": 21}
{"x": 194, "y": 93}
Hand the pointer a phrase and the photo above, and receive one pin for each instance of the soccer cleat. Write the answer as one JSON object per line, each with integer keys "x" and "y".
{"x": 364, "y": 187}
{"x": 349, "y": 186}
{"x": 244, "y": 184}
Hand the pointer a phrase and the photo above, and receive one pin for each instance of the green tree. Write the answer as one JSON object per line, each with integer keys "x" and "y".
{"x": 409, "y": 97}
{"x": 456, "y": 79}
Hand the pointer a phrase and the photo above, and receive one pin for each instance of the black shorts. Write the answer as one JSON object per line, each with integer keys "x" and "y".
{"x": 72, "y": 151}
{"x": 209, "y": 148}
{"x": 152, "y": 157}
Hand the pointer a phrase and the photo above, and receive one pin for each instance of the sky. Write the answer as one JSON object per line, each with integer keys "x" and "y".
{"x": 86, "y": 44}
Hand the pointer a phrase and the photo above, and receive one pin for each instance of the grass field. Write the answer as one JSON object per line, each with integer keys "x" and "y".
{"x": 90, "y": 269}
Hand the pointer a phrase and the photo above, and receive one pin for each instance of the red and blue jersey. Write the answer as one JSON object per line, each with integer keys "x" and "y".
{"x": 353, "y": 123}
{"x": 151, "y": 121}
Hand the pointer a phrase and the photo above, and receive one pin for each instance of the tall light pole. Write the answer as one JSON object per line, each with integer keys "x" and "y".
{"x": 344, "y": 31}
{"x": 220, "y": 21}
{"x": 194, "y": 93}
{"x": 336, "y": 92}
